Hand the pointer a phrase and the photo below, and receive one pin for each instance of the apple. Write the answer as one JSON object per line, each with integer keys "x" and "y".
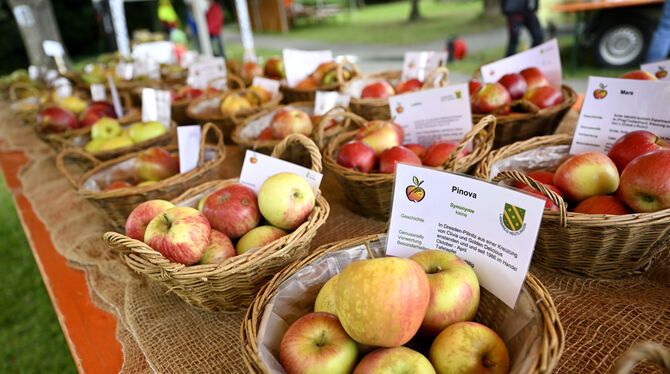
{"x": 117, "y": 184}
{"x": 266, "y": 135}
{"x": 645, "y": 182}
{"x": 289, "y": 121}
{"x": 390, "y": 158}
{"x": 257, "y": 95}
{"x": 73, "y": 104}
{"x": 325, "y": 299}
{"x": 258, "y": 237}
{"x": 201, "y": 202}
{"x": 219, "y": 249}
{"x": 545, "y": 177}
{"x": 394, "y": 360}
{"x": 454, "y": 290}
{"x": 474, "y": 86}
{"x": 493, "y": 97}
{"x": 250, "y": 70}
{"x": 602, "y": 204}
{"x": 357, "y": 155}
{"x": 58, "y": 119}
{"x": 233, "y": 210}
{"x": 534, "y": 77}
{"x": 181, "y": 234}
{"x": 106, "y": 128}
{"x": 418, "y": 149}
{"x": 94, "y": 145}
{"x": 634, "y": 144}
{"x": 515, "y": 84}
{"x": 409, "y": 85}
{"x": 143, "y": 131}
{"x": 379, "y": 89}
{"x": 548, "y": 204}
{"x": 146, "y": 183}
{"x": 115, "y": 143}
{"x": 317, "y": 343}
{"x": 308, "y": 82}
{"x": 286, "y": 200}
{"x": 187, "y": 92}
{"x": 154, "y": 164}
{"x": 382, "y": 301}
{"x": 141, "y": 215}
{"x": 544, "y": 96}
{"x": 95, "y": 111}
{"x": 232, "y": 103}
{"x": 274, "y": 68}
{"x": 469, "y": 347}
{"x": 438, "y": 153}
{"x": 321, "y": 71}
{"x": 381, "y": 135}
{"x": 639, "y": 75}
{"x": 585, "y": 175}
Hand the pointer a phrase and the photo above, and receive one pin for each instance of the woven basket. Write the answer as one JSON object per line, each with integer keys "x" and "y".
{"x": 369, "y": 194}
{"x": 515, "y": 126}
{"x": 535, "y": 348}
{"x": 179, "y": 108}
{"x": 653, "y": 352}
{"x": 117, "y": 204}
{"x": 297, "y": 94}
{"x": 375, "y": 108}
{"x": 231, "y": 285}
{"x": 594, "y": 245}
{"x": 24, "y": 108}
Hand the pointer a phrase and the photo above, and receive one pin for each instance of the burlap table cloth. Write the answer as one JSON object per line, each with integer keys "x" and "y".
{"x": 160, "y": 333}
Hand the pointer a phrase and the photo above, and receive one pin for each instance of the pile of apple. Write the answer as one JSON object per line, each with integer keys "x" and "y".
{"x": 73, "y": 113}
{"x": 325, "y": 74}
{"x": 289, "y": 120}
{"x": 633, "y": 176}
{"x": 382, "y": 89}
{"x": 107, "y": 134}
{"x": 234, "y": 212}
{"x": 378, "y": 146}
{"x": 188, "y": 93}
{"x": 252, "y": 97}
{"x": 150, "y": 166}
{"x": 393, "y": 312}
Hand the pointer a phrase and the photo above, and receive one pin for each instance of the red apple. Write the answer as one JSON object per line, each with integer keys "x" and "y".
{"x": 548, "y": 204}
{"x": 220, "y": 249}
{"x": 317, "y": 343}
{"x": 645, "y": 182}
{"x": 324, "y": 73}
{"x": 58, "y": 119}
{"x": 274, "y": 68}
{"x": 154, "y": 164}
{"x": 139, "y": 218}
{"x": 394, "y": 360}
{"x": 356, "y": 155}
{"x": 515, "y": 84}
{"x": 639, "y": 75}
{"x": 474, "y": 86}
{"x": 585, "y": 175}
{"x": 250, "y": 70}
{"x": 544, "y": 96}
{"x": 379, "y": 89}
{"x": 308, "y": 82}
{"x": 438, "y": 153}
{"x": 95, "y": 111}
{"x": 117, "y": 184}
{"x": 602, "y": 204}
{"x": 286, "y": 200}
{"x": 418, "y": 149}
{"x": 181, "y": 234}
{"x": 408, "y": 86}
{"x": 534, "y": 77}
{"x": 381, "y": 135}
{"x": 390, "y": 158}
{"x": 233, "y": 210}
{"x": 266, "y": 135}
{"x": 545, "y": 177}
{"x": 258, "y": 237}
{"x": 289, "y": 121}
{"x": 634, "y": 144}
{"x": 493, "y": 97}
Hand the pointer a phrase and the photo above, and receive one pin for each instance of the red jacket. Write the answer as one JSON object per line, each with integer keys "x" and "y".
{"x": 214, "y": 19}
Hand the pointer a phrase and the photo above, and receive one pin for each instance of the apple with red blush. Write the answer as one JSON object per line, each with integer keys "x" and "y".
{"x": 602, "y": 204}
{"x": 141, "y": 215}
{"x": 389, "y": 159}
{"x": 381, "y": 135}
{"x": 377, "y": 90}
{"x": 534, "y": 77}
{"x": 412, "y": 84}
{"x": 541, "y": 176}
{"x": 634, "y": 144}
{"x": 639, "y": 75}
{"x": 357, "y": 155}
{"x": 544, "y": 96}
{"x": 645, "y": 182}
{"x": 515, "y": 84}
{"x": 438, "y": 153}
{"x": 417, "y": 148}
{"x": 492, "y": 98}
{"x": 233, "y": 210}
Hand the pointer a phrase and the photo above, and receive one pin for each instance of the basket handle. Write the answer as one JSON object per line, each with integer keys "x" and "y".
{"x": 127, "y": 99}
{"x": 518, "y": 176}
{"x": 440, "y": 71}
{"x": 653, "y": 352}
{"x": 486, "y": 124}
{"x": 13, "y": 94}
{"x": 314, "y": 152}
{"x": 229, "y": 78}
{"x": 60, "y": 162}
{"x": 340, "y": 70}
{"x": 336, "y": 111}
{"x": 206, "y": 128}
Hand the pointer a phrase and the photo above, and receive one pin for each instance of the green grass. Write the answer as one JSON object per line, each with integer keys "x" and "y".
{"x": 32, "y": 340}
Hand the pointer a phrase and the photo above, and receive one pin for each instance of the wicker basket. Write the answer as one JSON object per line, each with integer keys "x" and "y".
{"x": 369, "y": 194}
{"x": 608, "y": 246}
{"x": 375, "y": 108}
{"x": 231, "y": 285}
{"x": 179, "y": 108}
{"x": 117, "y": 204}
{"x": 534, "y": 348}
{"x": 24, "y": 108}
{"x": 515, "y": 126}
{"x": 297, "y": 94}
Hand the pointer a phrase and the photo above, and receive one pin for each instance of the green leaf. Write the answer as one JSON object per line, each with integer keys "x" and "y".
{"x": 415, "y": 180}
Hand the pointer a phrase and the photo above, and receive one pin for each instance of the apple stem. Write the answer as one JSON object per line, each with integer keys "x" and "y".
{"x": 488, "y": 363}
{"x": 167, "y": 221}
{"x": 322, "y": 341}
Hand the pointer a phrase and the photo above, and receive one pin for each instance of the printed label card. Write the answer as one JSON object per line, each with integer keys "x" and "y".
{"x": 98, "y": 92}
{"x": 188, "y": 138}
{"x": 327, "y": 100}
{"x": 420, "y": 64}
{"x": 269, "y": 85}
{"x": 545, "y": 57}
{"x": 659, "y": 69}
{"x": 203, "y": 71}
{"x": 299, "y": 64}
{"x": 258, "y": 167}
{"x": 156, "y": 106}
{"x": 116, "y": 100}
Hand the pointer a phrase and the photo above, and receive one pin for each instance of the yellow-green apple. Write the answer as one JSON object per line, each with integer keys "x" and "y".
{"x": 106, "y": 128}
{"x": 219, "y": 249}
{"x": 454, "y": 290}
{"x": 274, "y": 68}
{"x": 544, "y": 96}
{"x": 639, "y": 75}
{"x": 325, "y": 299}
{"x": 141, "y": 215}
{"x": 418, "y": 149}
{"x": 201, "y": 202}
{"x": 469, "y": 347}
{"x": 181, "y": 234}
{"x": 395, "y": 360}
{"x": 493, "y": 97}
{"x": 515, "y": 84}
{"x": 289, "y": 121}
{"x": 534, "y": 77}
{"x": 142, "y": 131}
{"x": 634, "y": 144}
{"x": 381, "y": 135}
{"x": 250, "y": 70}
{"x": 317, "y": 343}
{"x": 58, "y": 119}
{"x": 392, "y": 156}
{"x": 234, "y": 102}
{"x": 258, "y": 237}
{"x": 286, "y": 200}
{"x": 74, "y": 104}
{"x": 154, "y": 164}
{"x": 117, "y": 142}
{"x": 356, "y": 155}
{"x": 94, "y": 145}
{"x": 379, "y": 90}
{"x": 258, "y": 95}
{"x": 438, "y": 153}
{"x": 602, "y": 204}
{"x": 585, "y": 175}
{"x": 645, "y": 182}
{"x": 548, "y": 204}
{"x": 409, "y": 85}
{"x": 382, "y": 301}
{"x": 233, "y": 210}
{"x": 474, "y": 86}
{"x": 117, "y": 184}
{"x": 95, "y": 111}
{"x": 541, "y": 176}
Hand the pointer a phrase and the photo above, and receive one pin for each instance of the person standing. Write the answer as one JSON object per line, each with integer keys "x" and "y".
{"x": 660, "y": 42}
{"x": 214, "y": 23}
{"x": 521, "y": 13}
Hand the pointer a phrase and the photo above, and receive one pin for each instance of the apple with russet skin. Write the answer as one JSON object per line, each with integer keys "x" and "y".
{"x": 115, "y": 143}
{"x": 106, "y": 128}
{"x": 602, "y": 204}
{"x": 390, "y": 158}
{"x": 289, "y": 121}
{"x": 634, "y": 144}
{"x": 493, "y": 97}
{"x": 585, "y": 175}
{"x": 382, "y": 301}
{"x": 394, "y": 360}
{"x": 58, "y": 119}
{"x": 274, "y": 68}
{"x": 117, "y": 184}
{"x": 418, "y": 149}
{"x": 544, "y": 96}
{"x": 469, "y": 347}
{"x": 325, "y": 299}
{"x": 356, "y": 155}
{"x": 181, "y": 234}
{"x": 409, "y": 85}
{"x": 438, "y": 153}
{"x": 317, "y": 343}
{"x": 377, "y": 90}
{"x": 266, "y": 135}
{"x": 219, "y": 249}
{"x": 95, "y": 111}
{"x": 541, "y": 176}
{"x": 286, "y": 200}
{"x": 233, "y": 210}
{"x": 645, "y": 182}
{"x": 474, "y": 86}
{"x": 141, "y": 215}
{"x": 154, "y": 164}
{"x": 534, "y": 77}
{"x": 143, "y": 131}
{"x": 639, "y": 75}
{"x": 548, "y": 204}
{"x": 515, "y": 84}
{"x": 381, "y": 135}
{"x": 258, "y": 237}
